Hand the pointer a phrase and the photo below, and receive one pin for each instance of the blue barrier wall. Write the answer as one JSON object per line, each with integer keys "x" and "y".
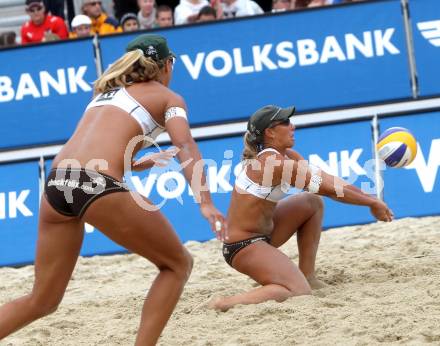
{"x": 342, "y": 149}
{"x": 331, "y": 57}
{"x": 415, "y": 190}
{"x": 43, "y": 91}
{"x": 18, "y": 212}
{"x": 348, "y": 56}
{"x": 425, "y": 17}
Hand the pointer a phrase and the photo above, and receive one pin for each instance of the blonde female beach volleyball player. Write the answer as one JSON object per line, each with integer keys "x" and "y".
{"x": 85, "y": 185}
{"x": 261, "y": 218}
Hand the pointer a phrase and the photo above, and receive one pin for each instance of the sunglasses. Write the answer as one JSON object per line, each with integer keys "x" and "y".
{"x": 283, "y": 123}
{"x": 34, "y": 9}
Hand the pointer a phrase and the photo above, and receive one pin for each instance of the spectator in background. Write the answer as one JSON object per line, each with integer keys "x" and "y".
{"x": 188, "y": 10}
{"x": 81, "y": 26}
{"x": 121, "y": 7}
{"x": 207, "y": 14}
{"x": 147, "y": 13}
{"x": 55, "y": 7}
{"x": 129, "y": 22}
{"x": 317, "y": 3}
{"x": 42, "y": 27}
{"x": 281, "y": 5}
{"x": 7, "y": 39}
{"x": 240, "y": 8}
{"x": 314, "y": 3}
{"x": 164, "y": 17}
{"x": 301, "y": 4}
{"x": 102, "y": 24}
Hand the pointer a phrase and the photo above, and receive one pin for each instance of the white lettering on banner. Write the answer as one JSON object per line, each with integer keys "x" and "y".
{"x": 59, "y": 85}
{"x": 144, "y": 189}
{"x": 172, "y": 184}
{"x": 41, "y": 87}
{"x": 365, "y": 47}
{"x": 6, "y": 90}
{"x": 350, "y": 162}
{"x": 15, "y": 203}
{"x": 165, "y": 184}
{"x": 307, "y": 52}
{"x": 76, "y": 79}
{"x": 427, "y": 171}
{"x": 283, "y": 52}
{"x": 227, "y": 63}
{"x": 331, "y": 50}
{"x": 383, "y": 42}
{"x": 345, "y": 164}
{"x": 261, "y": 57}
{"x": 331, "y": 167}
{"x": 193, "y": 69}
{"x": 272, "y": 56}
{"x": 218, "y": 178}
{"x": 26, "y": 86}
{"x": 239, "y": 67}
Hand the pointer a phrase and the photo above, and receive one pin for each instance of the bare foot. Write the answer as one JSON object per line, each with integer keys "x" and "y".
{"x": 316, "y": 284}
{"x": 217, "y": 303}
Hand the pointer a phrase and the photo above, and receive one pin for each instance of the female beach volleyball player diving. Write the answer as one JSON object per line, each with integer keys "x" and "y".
{"x": 133, "y": 101}
{"x": 261, "y": 218}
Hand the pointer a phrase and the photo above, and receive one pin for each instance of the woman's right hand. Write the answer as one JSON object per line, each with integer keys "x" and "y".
{"x": 216, "y": 219}
{"x": 381, "y": 211}
{"x": 159, "y": 159}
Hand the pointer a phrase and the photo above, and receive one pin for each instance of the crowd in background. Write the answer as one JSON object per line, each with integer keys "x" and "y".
{"x": 46, "y": 18}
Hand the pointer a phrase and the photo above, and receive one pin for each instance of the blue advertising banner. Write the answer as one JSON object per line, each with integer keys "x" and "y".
{"x": 346, "y": 152}
{"x": 19, "y": 203}
{"x": 425, "y": 17}
{"x": 332, "y": 57}
{"x": 415, "y": 189}
{"x": 43, "y": 91}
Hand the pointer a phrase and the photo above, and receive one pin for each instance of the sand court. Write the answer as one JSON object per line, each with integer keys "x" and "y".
{"x": 384, "y": 288}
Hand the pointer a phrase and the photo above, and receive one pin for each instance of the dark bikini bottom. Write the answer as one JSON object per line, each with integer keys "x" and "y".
{"x": 71, "y": 191}
{"x": 231, "y": 249}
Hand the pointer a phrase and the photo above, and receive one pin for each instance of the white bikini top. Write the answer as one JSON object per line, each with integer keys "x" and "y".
{"x": 270, "y": 193}
{"x": 121, "y": 98}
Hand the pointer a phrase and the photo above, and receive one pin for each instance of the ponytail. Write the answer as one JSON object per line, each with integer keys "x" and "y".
{"x": 132, "y": 67}
{"x": 251, "y": 147}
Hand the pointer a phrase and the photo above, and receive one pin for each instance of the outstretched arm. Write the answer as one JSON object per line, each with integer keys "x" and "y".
{"x": 300, "y": 174}
{"x": 191, "y": 160}
{"x": 341, "y": 191}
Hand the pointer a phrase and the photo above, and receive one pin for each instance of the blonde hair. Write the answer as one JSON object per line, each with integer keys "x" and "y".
{"x": 132, "y": 67}
{"x": 251, "y": 145}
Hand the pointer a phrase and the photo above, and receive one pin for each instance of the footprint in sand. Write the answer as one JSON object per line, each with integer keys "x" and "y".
{"x": 39, "y": 333}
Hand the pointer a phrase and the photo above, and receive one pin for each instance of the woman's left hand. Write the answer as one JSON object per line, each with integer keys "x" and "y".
{"x": 216, "y": 219}
{"x": 159, "y": 159}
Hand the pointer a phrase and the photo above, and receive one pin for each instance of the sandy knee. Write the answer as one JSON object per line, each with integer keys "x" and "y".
{"x": 300, "y": 289}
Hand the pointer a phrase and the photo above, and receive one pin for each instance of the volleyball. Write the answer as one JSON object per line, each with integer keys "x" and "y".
{"x": 397, "y": 147}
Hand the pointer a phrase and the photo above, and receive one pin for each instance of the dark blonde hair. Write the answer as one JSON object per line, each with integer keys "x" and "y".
{"x": 251, "y": 146}
{"x": 132, "y": 67}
